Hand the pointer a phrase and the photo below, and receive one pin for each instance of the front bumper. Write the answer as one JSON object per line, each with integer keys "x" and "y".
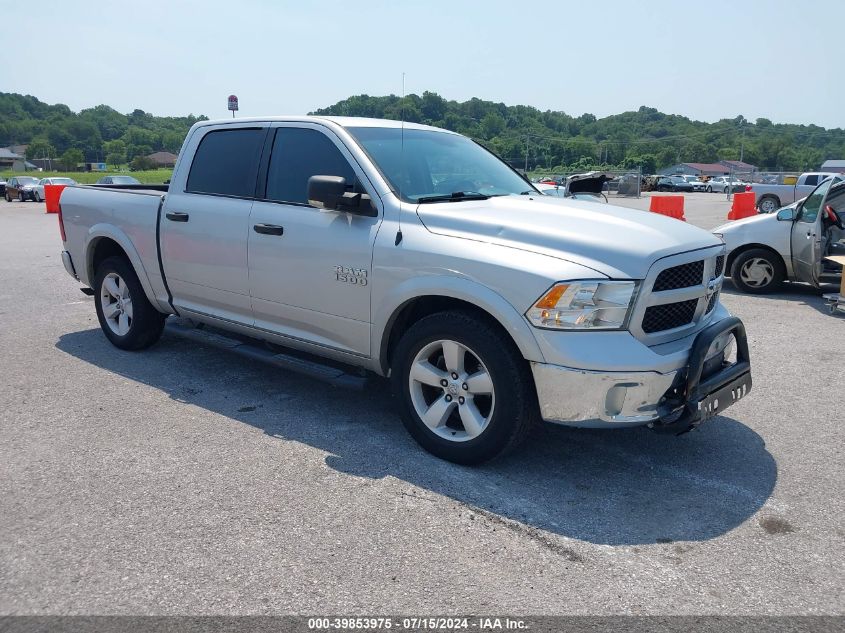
{"x": 675, "y": 402}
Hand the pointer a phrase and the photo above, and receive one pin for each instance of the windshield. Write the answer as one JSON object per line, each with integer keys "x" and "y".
{"x": 25, "y": 180}
{"x": 63, "y": 181}
{"x": 124, "y": 180}
{"x": 436, "y": 166}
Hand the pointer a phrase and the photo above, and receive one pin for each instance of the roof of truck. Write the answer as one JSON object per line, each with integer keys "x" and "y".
{"x": 343, "y": 121}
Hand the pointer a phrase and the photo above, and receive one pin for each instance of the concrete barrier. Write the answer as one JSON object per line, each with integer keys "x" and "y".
{"x": 671, "y": 206}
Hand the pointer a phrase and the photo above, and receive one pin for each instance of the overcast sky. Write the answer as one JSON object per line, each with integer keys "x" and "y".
{"x": 705, "y": 60}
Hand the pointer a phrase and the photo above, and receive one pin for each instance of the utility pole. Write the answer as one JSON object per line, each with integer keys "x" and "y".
{"x": 527, "y": 137}
{"x": 742, "y": 143}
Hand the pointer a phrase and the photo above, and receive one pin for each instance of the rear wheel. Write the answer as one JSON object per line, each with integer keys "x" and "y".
{"x": 126, "y": 316}
{"x": 758, "y": 271}
{"x": 464, "y": 395}
{"x": 768, "y": 204}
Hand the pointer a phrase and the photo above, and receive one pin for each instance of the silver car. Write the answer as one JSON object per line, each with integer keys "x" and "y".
{"x": 38, "y": 190}
{"x": 767, "y": 249}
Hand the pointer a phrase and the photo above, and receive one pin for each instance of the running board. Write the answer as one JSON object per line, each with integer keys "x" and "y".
{"x": 256, "y": 351}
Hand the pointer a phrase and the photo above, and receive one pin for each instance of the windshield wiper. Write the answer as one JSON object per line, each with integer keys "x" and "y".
{"x": 455, "y": 196}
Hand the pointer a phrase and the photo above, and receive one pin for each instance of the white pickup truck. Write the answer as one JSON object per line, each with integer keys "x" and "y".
{"x": 414, "y": 253}
{"x": 770, "y": 198}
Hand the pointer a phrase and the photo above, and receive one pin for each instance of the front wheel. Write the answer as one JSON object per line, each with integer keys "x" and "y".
{"x": 21, "y": 197}
{"x": 758, "y": 271}
{"x": 709, "y": 189}
{"x": 126, "y": 316}
{"x": 464, "y": 394}
{"x": 36, "y": 197}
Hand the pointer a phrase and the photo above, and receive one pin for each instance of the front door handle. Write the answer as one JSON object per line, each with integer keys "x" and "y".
{"x": 177, "y": 216}
{"x": 269, "y": 229}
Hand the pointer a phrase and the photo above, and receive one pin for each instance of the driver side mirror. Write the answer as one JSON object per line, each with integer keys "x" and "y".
{"x": 786, "y": 215}
{"x": 329, "y": 193}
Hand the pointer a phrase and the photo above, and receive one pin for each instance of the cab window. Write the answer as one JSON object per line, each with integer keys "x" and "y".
{"x": 226, "y": 163}
{"x": 298, "y": 154}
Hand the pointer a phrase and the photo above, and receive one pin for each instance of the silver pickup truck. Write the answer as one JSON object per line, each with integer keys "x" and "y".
{"x": 771, "y": 197}
{"x": 414, "y": 253}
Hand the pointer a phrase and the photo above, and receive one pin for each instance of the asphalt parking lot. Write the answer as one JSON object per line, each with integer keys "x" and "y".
{"x": 183, "y": 480}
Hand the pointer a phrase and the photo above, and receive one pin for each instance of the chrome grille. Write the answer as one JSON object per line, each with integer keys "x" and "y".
{"x": 682, "y": 276}
{"x": 669, "y": 316}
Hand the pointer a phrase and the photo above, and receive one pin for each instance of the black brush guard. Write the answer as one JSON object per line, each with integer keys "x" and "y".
{"x": 696, "y": 398}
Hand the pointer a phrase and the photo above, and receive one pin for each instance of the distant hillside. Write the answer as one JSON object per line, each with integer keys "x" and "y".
{"x": 100, "y": 133}
{"x": 557, "y": 141}
{"x": 554, "y": 141}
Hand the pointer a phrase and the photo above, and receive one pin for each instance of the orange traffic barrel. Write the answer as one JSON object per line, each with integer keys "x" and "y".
{"x": 743, "y": 206}
{"x": 51, "y": 197}
{"x": 671, "y": 206}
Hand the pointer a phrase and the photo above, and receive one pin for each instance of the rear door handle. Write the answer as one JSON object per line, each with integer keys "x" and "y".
{"x": 269, "y": 229}
{"x": 177, "y": 216}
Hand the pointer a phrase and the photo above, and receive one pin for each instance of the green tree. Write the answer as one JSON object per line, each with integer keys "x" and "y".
{"x": 72, "y": 159}
{"x": 115, "y": 152}
{"x": 142, "y": 163}
{"x": 40, "y": 148}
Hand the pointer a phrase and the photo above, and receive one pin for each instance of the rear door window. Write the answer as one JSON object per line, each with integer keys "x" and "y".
{"x": 226, "y": 163}
{"x": 812, "y": 180}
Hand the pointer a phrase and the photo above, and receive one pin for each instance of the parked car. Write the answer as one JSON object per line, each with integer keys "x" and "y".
{"x": 672, "y": 183}
{"x": 21, "y": 188}
{"x": 697, "y": 185}
{"x": 2, "y": 185}
{"x": 767, "y": 249}
{"x": 118, "y": 180}
{"x": 721, "y": 184}
{"x": 38, "y": 190}
{"x": 771, "y": 197}
{"x": 488, "y": 306}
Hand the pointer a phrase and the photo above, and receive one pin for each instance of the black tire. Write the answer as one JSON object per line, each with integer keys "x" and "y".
{"x": 764, "y": 204}
{"x": 515, "y": 410}
{"x": 146, "y": 323}
{"x": 21, "y": 197}
{"x": 36, "y": 197}
{"x": 769, "y": 260}
{"x": 8, "y": 199}
{"x": 709, "y": 189}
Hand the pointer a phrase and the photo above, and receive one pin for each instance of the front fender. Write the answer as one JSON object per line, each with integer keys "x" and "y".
{"x": 110, "y": 231}
{"x": 385, "y": 314}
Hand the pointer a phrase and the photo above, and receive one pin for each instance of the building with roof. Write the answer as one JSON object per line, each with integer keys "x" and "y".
{"x": 833, "y": 165}
{"x": 739, "y": 166}
{"x": 696, "y": 169}
{"x": 11, "y": 160}
{"x": 163, "y": 159}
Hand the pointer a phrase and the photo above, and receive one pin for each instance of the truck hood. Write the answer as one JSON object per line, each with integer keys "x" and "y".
{"x": 614, "y": 241}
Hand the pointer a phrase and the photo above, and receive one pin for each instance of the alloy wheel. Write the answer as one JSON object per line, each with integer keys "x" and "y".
{"x": 116, "y": 303}
{"x": 451, "y": 390}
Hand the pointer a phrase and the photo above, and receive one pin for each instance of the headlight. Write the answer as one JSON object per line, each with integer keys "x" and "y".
{"x": 583, "y": 305}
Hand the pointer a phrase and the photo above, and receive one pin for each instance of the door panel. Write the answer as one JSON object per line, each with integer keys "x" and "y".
{"x": 205, "y": 226}
{"x": 806, "y": 236}
{"x": 313, "y": 280}
{"x": 205, "y": 258}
